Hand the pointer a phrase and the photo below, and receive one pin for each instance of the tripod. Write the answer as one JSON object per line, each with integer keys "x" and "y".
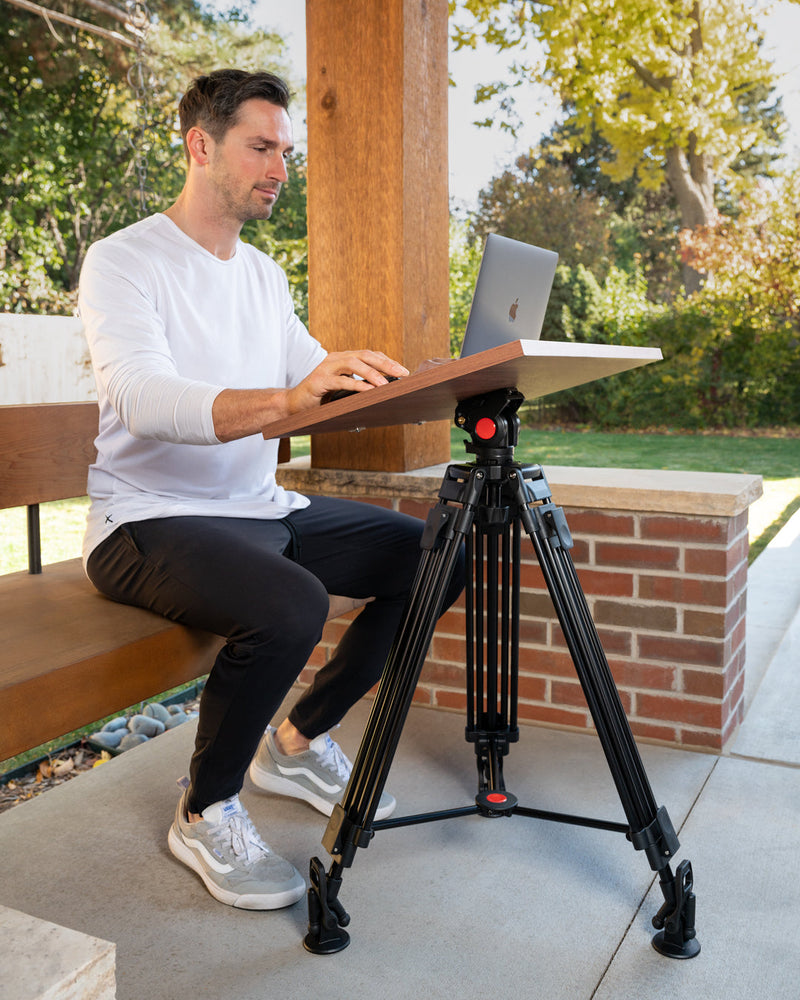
{"x": 484, "y": 505}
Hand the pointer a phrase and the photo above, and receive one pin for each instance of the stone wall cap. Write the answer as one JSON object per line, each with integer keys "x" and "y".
{"x": 708, "y": 494}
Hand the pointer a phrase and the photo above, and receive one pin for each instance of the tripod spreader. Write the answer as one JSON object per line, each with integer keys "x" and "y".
{"x": 484, "y": 506}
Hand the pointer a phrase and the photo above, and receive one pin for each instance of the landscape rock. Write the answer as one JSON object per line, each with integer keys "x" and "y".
{"x": 132, "y": 740}
{"x": 146, "y": 726}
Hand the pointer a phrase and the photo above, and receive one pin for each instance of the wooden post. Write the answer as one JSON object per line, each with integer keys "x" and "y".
{"x": 378, "y": 215}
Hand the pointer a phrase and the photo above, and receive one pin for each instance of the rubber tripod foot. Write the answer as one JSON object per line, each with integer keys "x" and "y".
{"x": 326, "y": 915}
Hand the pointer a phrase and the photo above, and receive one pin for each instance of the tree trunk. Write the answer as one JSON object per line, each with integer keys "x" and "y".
{"x": 692, "y": 182}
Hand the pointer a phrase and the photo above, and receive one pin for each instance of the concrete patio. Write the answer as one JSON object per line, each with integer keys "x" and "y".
{"x": 464, "y": 907}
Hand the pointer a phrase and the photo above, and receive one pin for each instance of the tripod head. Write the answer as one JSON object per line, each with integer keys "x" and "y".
{"x": 491, "y": 421}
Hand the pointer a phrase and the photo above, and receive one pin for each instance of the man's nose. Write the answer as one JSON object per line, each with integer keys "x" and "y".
{"x": 278, "y": 170}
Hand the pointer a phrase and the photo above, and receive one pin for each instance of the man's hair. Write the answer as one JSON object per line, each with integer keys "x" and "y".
{"x": 213, "y": 101}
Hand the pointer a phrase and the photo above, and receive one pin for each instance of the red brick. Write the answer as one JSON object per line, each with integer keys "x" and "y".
{"x": 615, "y": 641}
{"x": 678, "y": 529}
{"x": 657, "y": 617}
{"x": 423, "y": 696}
{"x": 445, "y": 674}
{"x": 637, "y": 556}
{"x": 635, "y": 674}
{"x": 736, "y": 637}
{"x": 683, "y": 590}
{"x": 716, "y": 561}
{"x": 532, "y": 631}
{"x": 706, "y": 623}
{"x": 546, "y": 662}
{"x": 446, "y": 647}
{"x": 699, "y": 739}
{"x": 532, "y": 688}
{"x": 703, "y": 683}
{"x": 554, "y": 716}
{"x": 567, "y": 693}
{"x": 319, "y": 657}
{"x": 416, "y": 508}
{"x": 608, "y": 584}
{"x": 334, "y": 630}
{"x": 682, "y": 710}
{"x": 531, "y": 577}
{"x": 734, "y": 698}
{"x": 535, "y": 605}
{"x": 591, "y": 522}
{"x": 450, "y": 699}
{"x": 453, "y": 621}
{"x": 645, "y": 730}
{"x": 705, "y": 652}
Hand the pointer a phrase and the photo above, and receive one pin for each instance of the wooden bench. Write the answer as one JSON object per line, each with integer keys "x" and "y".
{"x": 68, "y": 655}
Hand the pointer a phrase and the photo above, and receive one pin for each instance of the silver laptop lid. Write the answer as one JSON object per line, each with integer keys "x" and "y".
{"x": 511, "y": 294}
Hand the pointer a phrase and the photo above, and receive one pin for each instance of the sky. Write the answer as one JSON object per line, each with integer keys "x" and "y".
{"x": 478, "y": 154}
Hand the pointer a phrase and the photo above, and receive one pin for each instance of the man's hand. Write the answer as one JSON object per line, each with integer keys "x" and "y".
{"x": 238, "y": 413}
{"x": 354, "y": 371}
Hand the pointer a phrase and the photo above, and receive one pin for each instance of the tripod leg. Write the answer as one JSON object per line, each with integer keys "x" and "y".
{"x": 651, "y": 829}
{"x": 350, "y": 826}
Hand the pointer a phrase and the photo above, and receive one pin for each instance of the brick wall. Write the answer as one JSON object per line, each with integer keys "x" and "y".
{"x": 666, "y": 589}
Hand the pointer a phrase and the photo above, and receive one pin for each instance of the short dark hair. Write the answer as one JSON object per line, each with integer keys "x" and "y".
{"x": 213, "y": 101}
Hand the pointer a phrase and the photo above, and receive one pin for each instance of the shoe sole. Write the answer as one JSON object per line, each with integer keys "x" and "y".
{"x": 243, "y": 901}
{"x": 270, "y": 782}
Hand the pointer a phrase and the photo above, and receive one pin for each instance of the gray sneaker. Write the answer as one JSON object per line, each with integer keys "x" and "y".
{"x": 319, "y": 775}
{"x": 235, "y": 864}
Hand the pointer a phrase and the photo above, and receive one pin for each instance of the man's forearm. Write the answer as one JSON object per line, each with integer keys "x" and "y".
{"x": 238, "y": 413}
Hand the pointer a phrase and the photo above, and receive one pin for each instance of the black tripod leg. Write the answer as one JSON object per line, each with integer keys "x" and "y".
{"x": 350, "y": 826}
{"x": 651, "y": 829}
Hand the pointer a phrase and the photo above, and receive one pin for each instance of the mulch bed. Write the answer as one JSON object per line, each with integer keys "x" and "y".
{"x": 49, "y": 773}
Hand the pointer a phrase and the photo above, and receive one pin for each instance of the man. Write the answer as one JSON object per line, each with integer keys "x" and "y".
{"x": 195, "y": 347}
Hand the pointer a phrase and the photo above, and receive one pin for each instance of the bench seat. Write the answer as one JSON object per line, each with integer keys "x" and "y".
{"x": 71, "y": 656}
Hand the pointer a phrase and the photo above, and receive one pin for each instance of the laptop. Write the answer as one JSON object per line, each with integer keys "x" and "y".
{"x": 511, "y": 294}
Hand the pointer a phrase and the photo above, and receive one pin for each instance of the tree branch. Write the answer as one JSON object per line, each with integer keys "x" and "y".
{"x": 644, "y": 74}
{"x": 74, "y": 22}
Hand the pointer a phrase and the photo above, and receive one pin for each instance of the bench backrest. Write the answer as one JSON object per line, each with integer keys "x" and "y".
{"x": 45, "y": 451}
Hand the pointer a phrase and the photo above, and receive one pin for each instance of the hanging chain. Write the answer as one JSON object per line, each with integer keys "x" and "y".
{"x": 139, "y": 79}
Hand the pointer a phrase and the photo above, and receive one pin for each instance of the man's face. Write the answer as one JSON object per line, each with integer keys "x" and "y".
{"x": 247, "y": 168}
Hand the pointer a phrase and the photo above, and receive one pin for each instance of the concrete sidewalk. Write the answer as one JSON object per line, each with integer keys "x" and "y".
{"x": 463, "y": 907}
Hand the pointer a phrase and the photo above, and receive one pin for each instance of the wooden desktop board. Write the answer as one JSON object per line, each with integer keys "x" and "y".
{"x": 535, "y": 367}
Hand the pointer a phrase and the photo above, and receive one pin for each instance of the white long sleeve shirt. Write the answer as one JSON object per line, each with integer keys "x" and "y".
{"x": 169, "y": 327}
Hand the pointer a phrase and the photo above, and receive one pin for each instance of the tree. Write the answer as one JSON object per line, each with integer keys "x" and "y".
{"x": 756, "y": 257}
{"x": 536, "y": 202}
{"x": 72, "y": 140}
{"x": 661, "y": 81}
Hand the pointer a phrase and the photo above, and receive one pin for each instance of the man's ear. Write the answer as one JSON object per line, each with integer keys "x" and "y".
{"x": 198, "y": 144}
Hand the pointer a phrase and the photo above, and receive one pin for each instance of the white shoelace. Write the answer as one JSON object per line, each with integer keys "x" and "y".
{"x": 334, "y": 759}
{"x": 240, "y": 836}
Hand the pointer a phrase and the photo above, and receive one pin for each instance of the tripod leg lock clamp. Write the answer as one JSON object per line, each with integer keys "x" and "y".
{"x": 342, "y": 837}
{"x": 438, "y": 525}
{"x": 658, "y": 840}
{"x": 552, "y": 525}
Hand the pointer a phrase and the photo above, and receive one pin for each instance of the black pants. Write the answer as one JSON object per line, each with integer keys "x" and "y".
{"x": 264, "y": 586}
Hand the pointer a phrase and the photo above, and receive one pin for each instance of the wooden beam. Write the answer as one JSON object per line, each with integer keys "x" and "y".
{"x": 378, "y": 202}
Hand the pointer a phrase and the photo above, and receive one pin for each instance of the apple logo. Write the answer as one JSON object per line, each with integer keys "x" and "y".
{"x": 512, "y": 312}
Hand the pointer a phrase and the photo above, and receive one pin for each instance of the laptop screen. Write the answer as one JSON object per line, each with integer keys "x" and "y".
{"x": 511, "y": 294}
